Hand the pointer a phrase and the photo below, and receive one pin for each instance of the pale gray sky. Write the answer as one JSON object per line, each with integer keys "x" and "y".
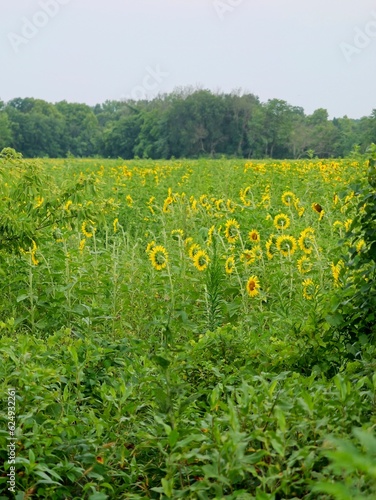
{"x": 311, "y": 53}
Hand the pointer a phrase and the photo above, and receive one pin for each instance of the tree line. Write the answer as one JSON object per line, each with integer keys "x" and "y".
{"x": 187, "y": 123}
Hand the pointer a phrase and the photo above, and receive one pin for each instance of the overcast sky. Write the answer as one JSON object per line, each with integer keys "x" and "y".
{"x": 311, "y": 53}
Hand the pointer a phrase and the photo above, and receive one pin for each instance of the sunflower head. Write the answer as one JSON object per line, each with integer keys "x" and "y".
{"x": 306, "y": 240}
{"x": 288, "y": 198}
{"x": 281, "y": 221}
{"x": 158, "y": 257}
{"x": 309, "y": 289}
{"x": 232, "y": 230}
{"x": 253, "y": 286}
{"x": 254, "y": 236}
{"x": 287, "y": 245}
{"x": 304, "y": 265}
{"x": 317, "y": 207}
{"x": 230, "y": 264}
{"x": 201, "y": 260}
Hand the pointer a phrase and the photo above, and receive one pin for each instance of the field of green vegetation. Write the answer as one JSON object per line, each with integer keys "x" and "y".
{"x": 197, "y": 329}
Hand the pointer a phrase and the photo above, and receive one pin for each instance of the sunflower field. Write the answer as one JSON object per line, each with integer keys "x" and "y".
{"x": 187, "y": 329}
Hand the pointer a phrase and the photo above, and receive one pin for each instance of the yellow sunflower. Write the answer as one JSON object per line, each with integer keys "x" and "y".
{"x": 306, "y": 240}
{"x": 281, "y": 221}
{"x": 201, "y": 260}
{"x": 253, "y": 286}
{"x": 270, "y": 246}
{"x": 232, "y": 230}
{"x": 150, "y": 246}
{"x": 210, "y": 236}
{"x": 286, "y": 245}
{"x": 317, "y": 207}
{"x": 158, "y": 257}
{"x": 254, "y": 236}
{"x": 288, "y": 198}
{"x": 177, "y": 234}
{"x": 193, "y": 249}
{"x": 243, "y": 196}
{"x": 230, "y": 264}
{"x": 309, "y": 289}
{"x": 304, "y": 265}
{"x": 248, "y": 257}
{"x": 88, "y": 230}
{"x": 115, "y": 225}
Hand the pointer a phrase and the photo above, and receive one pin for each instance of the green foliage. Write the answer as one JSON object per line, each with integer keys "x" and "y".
{"x": 356, "y": 306}
{"x": 187, "y": 123}
{"x": 353, "y": 467}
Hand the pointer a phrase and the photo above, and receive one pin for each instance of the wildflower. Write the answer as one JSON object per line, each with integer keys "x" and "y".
{"x": 201, "y": 260}
{"x": 254, "y": 236}
{"x": 286, "y": 245}
{"x": 281, "y": 221}
{"x": 158, "y": 257}
{"x": 288, "y": 198}
{"x": 129, "y": 200}
{"x": 204, "y": 201}
{"x": 307, "y": 240}
{"x": 253, "y": 286}
{"x": 230, "y": 264}
{"x": 115, "y": 224}
{"x": 232, "y": 230}
{"x": 304, "y": 265}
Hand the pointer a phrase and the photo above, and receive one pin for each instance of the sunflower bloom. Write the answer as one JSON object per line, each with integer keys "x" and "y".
{"x": 304, "y": 265}
{"x": 317, "y": 207}
{"x": 201, "y": 260}
{"x": 248, "y": 257}
{"x": 230, "y": 265}
{"x": 360, "y": 245}
{"x": 232, "y": 230}
{"x": 309, "y": 289}
{"x": 88, "y": 230}
{"x": 210, "y": 236}
{"x": 254, "y": 236}
{"x": 243, "y": 196}
{"x": 115, "y": 224}
{"x": 177, "y": 234}
{"x": 270, "y": 246}
{"x": 288, "y": 198}
{"x": 150, "y": 247}
{"x": 158, "y": 257}
{"x": 253, "y": 286}
{"x": 193, "y": 249}
{"x": 307, "y": 240}
{"x": 286, "y": 245}
{"x": 281, "y": 221}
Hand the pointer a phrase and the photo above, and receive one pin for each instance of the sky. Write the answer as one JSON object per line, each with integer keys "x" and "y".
{"x": 310, "y": 53}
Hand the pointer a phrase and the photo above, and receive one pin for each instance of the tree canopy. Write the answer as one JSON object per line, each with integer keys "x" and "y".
{"x": 187, "y": 123}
